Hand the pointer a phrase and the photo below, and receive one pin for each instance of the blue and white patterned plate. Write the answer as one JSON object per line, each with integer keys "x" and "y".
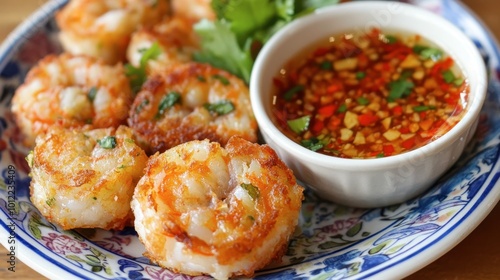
{"x": 333, "y": 241}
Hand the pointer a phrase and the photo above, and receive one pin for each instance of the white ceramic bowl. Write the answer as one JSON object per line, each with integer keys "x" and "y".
{"x": 368, "y": 182}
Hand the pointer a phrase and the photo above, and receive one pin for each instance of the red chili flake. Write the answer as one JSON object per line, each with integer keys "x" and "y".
{"x": 327, "y": 110}
{"x": 317, "y": 126}
{"x": 388, "y": 149}
{"x": 333, "y": 88}
{"x": 404, "y": 130}
{"x": 408, "y": 143}
{"x": 367, "y": 119}
{"x": 398, "y": 110}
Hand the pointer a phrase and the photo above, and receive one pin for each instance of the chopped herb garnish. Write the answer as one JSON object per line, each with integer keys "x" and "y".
{"x": 326, "y": 65}
{"x": 252, "y": 190}
{"x": 363, "y": 101}
{"x": 458, "y": 82}
{"x": 399, "y": 89}
{"x": 448, "y": 76}
{"x": 167, "y": 101}
{"x": 220, "y": 108}
{"x": 390, "y": 39}
{"x": 201, "y": 78}
{"x": 289, "y": 94}
{"x": 50, "y": 201}
{"x": 312, "y": 144}
{"x": 342, "y": 108}
{"x": 137, "y": 75}
{"x": 360, "y": 75}
{"x": 141, "y": 106}
{"x": 300, "y": 124}
{"x": 108, "y": 142}
{"x": 428, "y": 52}
{"x": 92, "y": 93}
{"x": 221, "y": 78}
{"x": 421, "y": 108}
{"x": 94, "y": 198}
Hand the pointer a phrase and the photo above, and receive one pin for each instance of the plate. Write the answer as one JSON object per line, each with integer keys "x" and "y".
{"x": 332, "y": 241}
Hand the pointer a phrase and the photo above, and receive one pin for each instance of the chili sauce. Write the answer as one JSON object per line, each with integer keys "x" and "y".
{"x": 369, "y": 95}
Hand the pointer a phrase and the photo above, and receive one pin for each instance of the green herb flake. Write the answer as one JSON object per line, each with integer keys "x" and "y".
{"x": 220, "y": 108}
{"x": 221, "y": 78}
{"x": 342, "y": 108}
{"x": 428, "y": 52}
{"x": 92, "y": 93}
{"x": 50, "y": 201}
{"x": 363, "y": 101}
{"x": 421, "y": 108}
{"x": 326, "y": 65}
{"x": 141, "y": 105}
{"x": 94, "y": 198}
{"x": 289, "y": 94}
{"x": 201, "y": 78}
{"x": 458, "y": 82}
{"x": 360, "y": 75}
{"x": 137, "y": 75}
{"x": 168, "y": 101}
{"x": 312, "y": 144}
{"x": 299, "y": 125}
{"x": 448, "y": 76}
{"x": 399, "y": 89}
{"x": 108, "y": 142}
{"x": 390, "y": 39}
{"x": 252, "y": 190}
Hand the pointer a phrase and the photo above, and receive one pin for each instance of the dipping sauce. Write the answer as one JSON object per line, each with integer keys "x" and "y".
{"x": 369, "y": 95}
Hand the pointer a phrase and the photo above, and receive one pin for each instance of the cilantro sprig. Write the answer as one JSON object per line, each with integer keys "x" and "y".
{"x": 138, "y": 75}
{"x": 232, "y": 41}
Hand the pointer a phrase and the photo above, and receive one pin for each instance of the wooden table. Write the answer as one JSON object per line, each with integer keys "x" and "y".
{"x": 476, "y": 257}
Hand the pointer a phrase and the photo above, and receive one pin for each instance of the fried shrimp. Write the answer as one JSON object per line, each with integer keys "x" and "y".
{"x": 86, "y": 178}
{"x": 102, "y": 28}
{"x": 192, "y": 102}
{"x": 204, "y": 209}
{"x": 175, "y": 38}
{"x": 71, "y": 91}
{"x": 194, "y": 10}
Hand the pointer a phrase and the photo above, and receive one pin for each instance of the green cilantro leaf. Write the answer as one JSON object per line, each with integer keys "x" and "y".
{"x": 220, "y": 48}
{"x": 137, "y": 75}
{"x": 108, "y": 142}
{"x": 299, "y": 125}
{"x": 167, "y": 101}
{"x": 222, "y": 107}
{"x": 252, "y": 190}
{"x": 400, "y": 88}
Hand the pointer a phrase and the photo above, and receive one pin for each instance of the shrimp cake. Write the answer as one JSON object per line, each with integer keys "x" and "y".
{"x": 102, "y": 29}
{"x": 72, "y": 91}
{"x": 204, "y": 209}
{"x": 175, "y": 38}
{"x": 192, "y": 101}
{"x": 85, "y": 178}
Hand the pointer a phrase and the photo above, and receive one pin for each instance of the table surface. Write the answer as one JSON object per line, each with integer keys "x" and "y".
{"x": 476, "y": 257}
